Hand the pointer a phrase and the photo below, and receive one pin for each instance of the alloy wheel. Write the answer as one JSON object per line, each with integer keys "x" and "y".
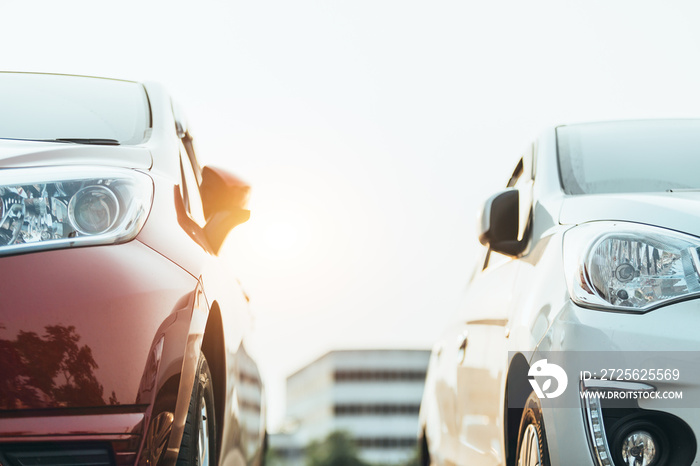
{"x": 530, "y": 448}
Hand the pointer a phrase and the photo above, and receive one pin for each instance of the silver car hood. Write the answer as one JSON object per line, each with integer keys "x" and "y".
{"x": 676, "y": 210}
{"x": 16, "y": 154}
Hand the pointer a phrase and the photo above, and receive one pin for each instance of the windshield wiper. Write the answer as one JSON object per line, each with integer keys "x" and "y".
{"x": 97, "y": 141}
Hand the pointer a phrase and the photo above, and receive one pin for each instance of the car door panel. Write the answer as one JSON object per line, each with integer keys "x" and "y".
{"x": 481, "y": 363}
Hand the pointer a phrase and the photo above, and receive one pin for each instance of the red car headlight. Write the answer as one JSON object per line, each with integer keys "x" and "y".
{"x": 57, "y": 207}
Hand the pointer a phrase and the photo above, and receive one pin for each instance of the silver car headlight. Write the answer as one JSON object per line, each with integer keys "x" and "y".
{"x": 58, "y": 207}
{"x": 630, "y": 267}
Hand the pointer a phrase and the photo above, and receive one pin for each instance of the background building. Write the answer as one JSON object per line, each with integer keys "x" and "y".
{"x": 372, "y": 394}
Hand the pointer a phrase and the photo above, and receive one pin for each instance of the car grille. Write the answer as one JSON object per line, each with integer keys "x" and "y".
{"x": 56, "y": 455}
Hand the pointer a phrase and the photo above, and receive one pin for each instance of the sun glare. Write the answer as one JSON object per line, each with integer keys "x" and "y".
{"x": 280, "y": 236}
{"x": 279, "y": 233}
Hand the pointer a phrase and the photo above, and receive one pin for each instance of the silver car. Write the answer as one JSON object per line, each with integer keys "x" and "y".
{"x": 578, "y": 340}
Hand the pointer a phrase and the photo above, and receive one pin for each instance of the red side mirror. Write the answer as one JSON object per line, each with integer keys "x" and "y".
{"x": 222, "y": 190}
{"x": 225, "y": 202}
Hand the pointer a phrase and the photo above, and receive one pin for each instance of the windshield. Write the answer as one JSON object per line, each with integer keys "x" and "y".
{"x": 49, "y": 107}
{"x": 629, "y": 156}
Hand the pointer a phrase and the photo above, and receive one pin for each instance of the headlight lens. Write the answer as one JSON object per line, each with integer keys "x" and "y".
{"x": 47, "y": 208}
{"x": 630, "y": 267}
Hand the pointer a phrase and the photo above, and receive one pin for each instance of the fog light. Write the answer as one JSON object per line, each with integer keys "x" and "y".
{"x": 639, "y": 448}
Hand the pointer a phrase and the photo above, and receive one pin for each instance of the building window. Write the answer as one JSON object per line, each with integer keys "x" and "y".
{"x": 344, "y": 375}
{"x": 385, "y": 442}
{"x": 376, "y": 409}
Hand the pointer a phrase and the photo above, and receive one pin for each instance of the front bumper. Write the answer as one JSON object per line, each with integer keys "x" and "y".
{"x": 667, "y": 336}
{"x": 94, "y": 345}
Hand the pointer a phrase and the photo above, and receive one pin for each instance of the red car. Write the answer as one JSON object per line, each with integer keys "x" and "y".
{"x": 123, "y": 338}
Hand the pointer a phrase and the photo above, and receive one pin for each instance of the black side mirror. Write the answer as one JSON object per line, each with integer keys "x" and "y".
{"x": 225, "y": 202}
{"x": 498, "y": 224}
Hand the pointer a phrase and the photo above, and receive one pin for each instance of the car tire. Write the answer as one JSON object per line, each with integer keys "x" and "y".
{"x": 532, "y": 441}
{"x": 198, "y": 446}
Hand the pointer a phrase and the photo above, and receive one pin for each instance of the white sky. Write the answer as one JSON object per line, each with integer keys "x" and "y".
{"x": 370, "y": 130}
